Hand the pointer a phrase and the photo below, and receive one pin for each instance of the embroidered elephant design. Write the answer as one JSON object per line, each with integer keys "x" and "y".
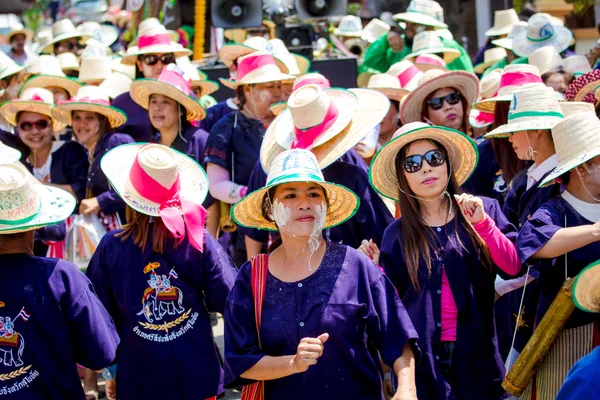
{"x": 161, "y": 299}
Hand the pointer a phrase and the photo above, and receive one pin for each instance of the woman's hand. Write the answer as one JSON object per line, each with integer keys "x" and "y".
{"x": 309, "y": 351}
{"x": 89, "y": 206}
{"x": 371, "y": 250}
{"x": 110, "y": 387}
{"x": 395, "y": 41}
{"x": 472, "y": 207}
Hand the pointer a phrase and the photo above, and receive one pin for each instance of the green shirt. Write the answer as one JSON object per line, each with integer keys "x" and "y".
{"x": 462, "y": 63}
{"x": 379, "y": 57}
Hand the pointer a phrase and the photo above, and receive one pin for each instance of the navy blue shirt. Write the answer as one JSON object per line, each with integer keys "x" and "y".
{"x": 50, "y": 319}
{"x": 138, "y": 124}
{"x": 487, "y": 179}
{"x": 347, "y": 297}
{"x": 160, "y": 305}
{"x": 480, "y": 369}
{"x": 215, "y": 113}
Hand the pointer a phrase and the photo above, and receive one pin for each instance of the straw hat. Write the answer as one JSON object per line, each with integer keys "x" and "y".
{"x": 37, "y": 206}
{"x": 507, "y": 42}
{"x": 349, "y": 26}
{"x": 116, "y": 84}
{"x": 159, "y": 43}
{"x": 68, "y": 62}
{"x": 428, "y": 42}
{"x": 586, "y": 295}
{"x": 152, "y": 26}
{"x": 165, "y": 166}
{"x": 127, "y": 70}
{"x": 541, "y": 32}
{"x": 63, "y": 30}
{"x": 546, "y": 59}
{"x": 423, "y": 12}
{"x": 461, "y": 149}
{"x": 232, "y": 51}
{"x": 295, "y": 63}
{"x": 256, "y": 67}
{"x": 8, "y": 67}
{"x": 105, "y": 34}
{"x": 374, "y": 29}
{"x": 49, "y": 73}
{"x": 94, "y": 70}
{"x": 388, "y": 85}
{"x": 92, "y": 99}
{"x": 503, "y": 22}
{"x": 582, "y": 88}
{"x": 8, "y": 155}
{"x": 465, "y": 82}
{"x": 576, "y": 140}
{"x": 302, "y": 80}
{"x": 407, "y": 73}
{"x": 569, "y": 108}
{"x": 366, "y": 109}
{"x": 490, "y": 57}
{"x": 488, "y": 87}
{"x": 514, "y": 77}
{"x": 530, "y": 109}
{"x": 172, "y": 83}
{"x": 19, "y": 29}
{"x": 36, "y": 100}
{"x": 295, "y": 166}
{"x": 577, "y": 64}
{"x": 197, "y": 80}
{"x": 426, "y": 62}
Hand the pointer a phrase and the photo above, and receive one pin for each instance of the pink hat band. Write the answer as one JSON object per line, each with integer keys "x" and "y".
{"x": 406, "y": 76}
{"x": 322, "y": 82}
{"x": 305, "y": 138}
{"x": 518, "y": 79}
{"x": 154, "y": 40}
{"x": 252, "y": 63}
{"x": 425, "y": 59}
{"x": 173, "y": 76}
{"x": 85, "y": 99}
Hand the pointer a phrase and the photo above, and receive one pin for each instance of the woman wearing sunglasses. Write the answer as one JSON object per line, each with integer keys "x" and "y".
{"x": 442, "y": 255}
{"x": 152, "y": 53}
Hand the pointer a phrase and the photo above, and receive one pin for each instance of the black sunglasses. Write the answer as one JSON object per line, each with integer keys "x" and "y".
{"x": 414, "y": 163}
{"x": 438, "y": 102}
{"x": 68, "y": 45}
{"x": 152, "y": 59}
{"x": 40, "y": 124}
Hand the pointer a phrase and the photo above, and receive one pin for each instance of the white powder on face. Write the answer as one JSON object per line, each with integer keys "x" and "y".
{"x": 320, "y": 217}
{"x": 282, "y": 215}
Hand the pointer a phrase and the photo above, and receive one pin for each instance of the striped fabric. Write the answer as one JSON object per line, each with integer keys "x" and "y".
{"x": 256, "y": 390}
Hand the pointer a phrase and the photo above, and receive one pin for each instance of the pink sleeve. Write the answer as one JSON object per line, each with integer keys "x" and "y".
{"x": 221, "y": 187}
{"x": 502, "y": 250}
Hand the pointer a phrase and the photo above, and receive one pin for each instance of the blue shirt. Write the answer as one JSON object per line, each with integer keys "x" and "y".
{"x": 583, "y": 381}
{"x": 487, "y": 179}
{"x": 138, "y": 124}
{"x": 215, "y": 113}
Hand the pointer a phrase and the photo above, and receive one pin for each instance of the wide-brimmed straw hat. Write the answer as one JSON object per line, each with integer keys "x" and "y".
{"x": 423, "y": 12}
{"x": 91, "y": 99}
{"x": 582, "y": 88}
{"x": 8, "y": 67}
{"x": 19, "y": 29}
{"x": 8, "y": 155}
{"x": 576, "y": 140}
{"x": 546, "y": 59}
{"x": 569, "y": 108}
{"x": 173, "y": 83}
{"x": 68, "y": 62}
{"x": 63, "y": 30}
{"x": 514, "y": 77}
{"x": 429, "y": 42}
{"x": 295, "y": 166}
{"x": 407, "y": 73}
{"x": 490, "y": 57}
{"x": 232, "y": 51}
{"x": 374, "y": 29}
{"x": 256, "y": 67}
{"x": 36, "y": 100}
{"x": 461, "y": 149}
{"x": 577, "y": 65}
{"x": 303, "y": 80}
{"x": 37, "y": 206}
{"x": 93, "y": 70}
{"x": 48, "y": 73}
{"x": 586, "y": 295}
{"x": 503, "y": 22}
{"x": 309, "y": 107}
{"x": 464, "y": 82}
{"x": 388, "y": 85}
{"x": 116, "y": 84}
{"x": 541, "y": 32}
{"x": 507, "y": 42}
{"x": 104, "y": 34}
{"x": 530, "y": 109}
{"x": 159, "y": 43}
{"x": 426, "y": 62}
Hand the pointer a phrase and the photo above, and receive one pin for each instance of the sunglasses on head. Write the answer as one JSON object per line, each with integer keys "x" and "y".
{"x": 27, "y": 126}
{"x": 438, "y": 102}
{"x": 414, "y": 163}
{"x": 152, "y": 59}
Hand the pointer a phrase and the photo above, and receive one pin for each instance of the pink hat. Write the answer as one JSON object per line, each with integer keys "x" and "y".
{"x": 408, "y": 74}
{"x": 257, "y": 67}
{"x": 426, "y": 62}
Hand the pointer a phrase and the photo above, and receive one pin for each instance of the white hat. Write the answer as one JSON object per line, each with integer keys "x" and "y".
{"x": 577, "y": 64}
{"x": 48, "y": 73}
{"x": 36, "y": 100}
{"x": 546, "y": 59}
{"x": 429, "y": 42}
{"x": 94, "y": 70}
{"x": 490, "y": 57}
{"x": 374, "y": 29}
{"x": 388, "y": 85}
{"x": 507, "y": 42}
{"x": 541, "y": 32}
{"x": 503, "y": 22}
{"x": 34, "y": 206}
{"x": 63, "y": 30}
{"x": 350, "y": 25}
{"x": 68, "y": 62}
{"x": 105, "y": 34}
{"x": 569, "y": 108}
{"x": 423, "y": 12}
{"x": 116, "y": 84}
{"x": 256, "y": 67}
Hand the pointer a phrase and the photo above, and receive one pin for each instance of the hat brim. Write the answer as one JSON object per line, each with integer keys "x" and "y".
{"x": 45, "y": 81}
{"x": 133, "y": 52}
{"x": 504, "y": 131}
{"x": 393, "y": 94}
{"x": 303, "y": 63}
{"x": 489, "y": 105}
{"x": 27, "y": 32}
{"x": 116, "y": 165}
{"x": 11, "y": 70}
{"x": 50, "y": 46}
{"x": 142, "y": 89}
{"x": 461, "y": 149}
{"x": 8, "y": 155}
{"x": 56, "y": 206}
{"x": 465, "y": 82}
{"x": 480, "y": 68}
{"x": 277, "y": 108}
{"x": 585, "y": 288}
{"x": 343, "y": 204}
{"x": 503, "y": 30}
{"x": 569, "y": 164}
{"x": 206, "y": 86}
{"x": 10, "y": 110}
{"x": 362, "y": 81}
{"x": 522, "y": 46}
{"x": 372, "y": 107}
{"x": 505, "y": 42}
{"x": 63, "y": 112}
{"x": 419, "y": 18}
{"x": 449, "y": 54}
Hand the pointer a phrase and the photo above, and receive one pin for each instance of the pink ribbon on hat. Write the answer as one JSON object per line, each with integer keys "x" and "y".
{"x": 253, "y": 62}
{"x": 87, "y": 99}
{"x": 173, "y": 76}
{"x": 305, "y": 138}
{"x": 153, "y": 40}
{"x": 35, "y": 97}
{"x": 323, "y": 83}
{"x": 429, "y": 60}
{"x": 180, "y": 216}
{"x": 407, "y": 75}
{"x": 518, "y": 79}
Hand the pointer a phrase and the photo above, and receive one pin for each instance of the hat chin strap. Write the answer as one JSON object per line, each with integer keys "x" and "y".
{"x": 441, "y": 196}
{"x": 584, "y": 187}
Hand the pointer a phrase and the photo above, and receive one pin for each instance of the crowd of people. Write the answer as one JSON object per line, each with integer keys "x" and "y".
{"x": 401, "y": 239}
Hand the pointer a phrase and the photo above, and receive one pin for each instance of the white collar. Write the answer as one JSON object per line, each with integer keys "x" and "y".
{"x": 589, "y": 211}
{"x": 537, "y": 172}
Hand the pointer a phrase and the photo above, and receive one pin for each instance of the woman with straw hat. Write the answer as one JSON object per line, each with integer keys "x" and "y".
{"x": 442, "y": 255}
{"x": 65, "y": 38}
{"x": 160, "y": 276}
{"x": 561, "y": 239}
{"x": 320, "y": 290}
{"x": 50, "y": 317}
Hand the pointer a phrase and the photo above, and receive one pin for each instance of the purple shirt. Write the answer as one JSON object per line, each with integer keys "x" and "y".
{"x": 480, "y": 369}
{"x": 160, "y": 304}
{"x": 138, "y": 124}
{"x": 347, "y": 297}
{"x": 50, "y": 319}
